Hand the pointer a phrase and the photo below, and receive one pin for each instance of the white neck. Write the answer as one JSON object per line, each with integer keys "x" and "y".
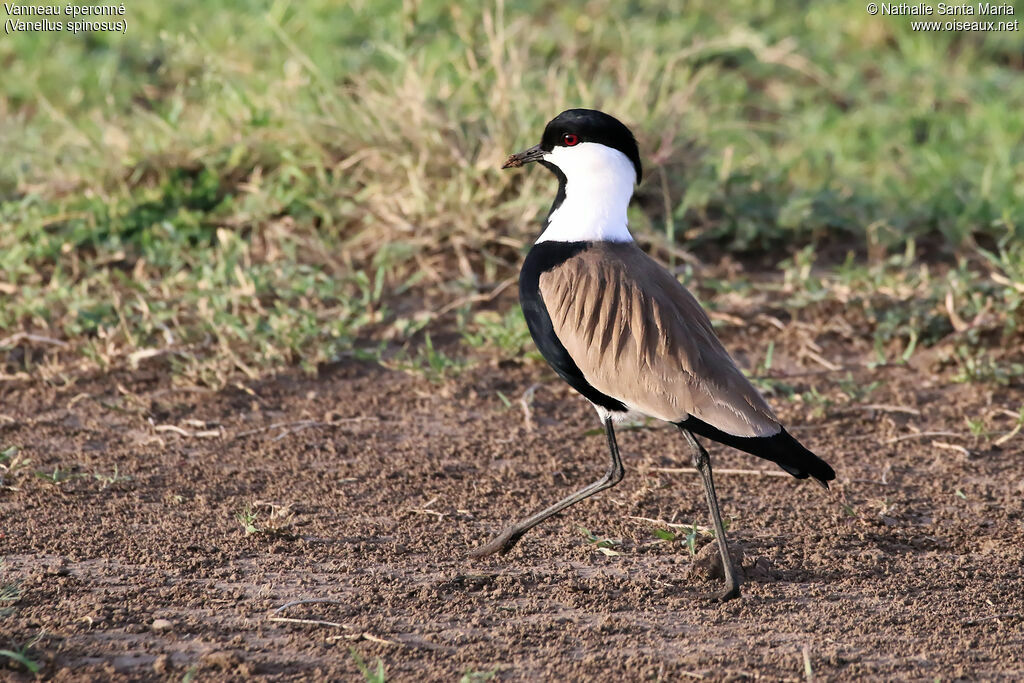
{"x": 599, "y": 184}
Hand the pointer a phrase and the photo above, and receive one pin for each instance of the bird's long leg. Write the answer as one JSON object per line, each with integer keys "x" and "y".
{"x": 702, "y": 462}
{"x": 504, "y": 541}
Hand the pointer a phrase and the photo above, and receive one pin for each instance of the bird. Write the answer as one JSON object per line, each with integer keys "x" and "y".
{"x": 624, "y": 332}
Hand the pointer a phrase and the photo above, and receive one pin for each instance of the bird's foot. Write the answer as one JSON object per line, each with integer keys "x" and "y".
{"x": 728, "y": 594}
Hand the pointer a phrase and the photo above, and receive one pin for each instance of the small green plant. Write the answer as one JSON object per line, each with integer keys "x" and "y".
{"x": 10, "y": 593}
{"x": 247, "y": 518}
{"x": 275, "y": 524}
{"x": 857, "y": 391}
{"x": 506, "y": 333}
{"x": 7, "y": 454}
{"x": 816, "y": 401}
{"x": 111, "y": 479}
{"x": 605, "y": 545}
{"x": 769, "y": 355}
{"x": 375, "y": 675}
{"x": 771, "y": 386}
{"x": 432, "y": 363}
{"x": 977, "y": 426}
{"x": 477, "y": 676}
{"x": 11, "y": 463}
{"x": 58, "y": 476}
{"x": 691, "y": 539}
{"x": 23, "y": 655}
{"x": 975, "y": 365}
{"x": 690, "y": 535}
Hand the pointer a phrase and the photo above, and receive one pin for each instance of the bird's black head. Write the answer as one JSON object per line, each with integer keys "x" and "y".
{"x": 574, "y": 126}
{"x": 577, "y": 126}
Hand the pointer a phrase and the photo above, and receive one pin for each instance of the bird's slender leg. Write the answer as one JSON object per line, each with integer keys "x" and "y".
{"x": 702, "y": 462}
{"x": 504, "y": 541}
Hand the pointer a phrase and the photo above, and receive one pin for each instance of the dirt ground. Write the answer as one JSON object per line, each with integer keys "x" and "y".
{"x": 368, "y": 486}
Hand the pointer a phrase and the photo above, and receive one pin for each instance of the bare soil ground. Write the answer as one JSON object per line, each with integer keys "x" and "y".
{"x": 368, "y": 487}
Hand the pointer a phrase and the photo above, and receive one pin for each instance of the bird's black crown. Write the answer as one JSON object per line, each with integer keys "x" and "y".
{"x": 590, "y": 125}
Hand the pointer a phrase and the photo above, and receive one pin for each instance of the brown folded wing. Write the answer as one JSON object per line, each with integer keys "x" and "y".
{"x": 639, "y": 336}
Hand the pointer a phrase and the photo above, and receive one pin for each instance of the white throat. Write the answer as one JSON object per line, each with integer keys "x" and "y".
{"x": 599, "y": 184}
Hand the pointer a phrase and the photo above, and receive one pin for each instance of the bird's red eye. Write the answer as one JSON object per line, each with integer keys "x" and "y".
{"x": 570, "y": 139}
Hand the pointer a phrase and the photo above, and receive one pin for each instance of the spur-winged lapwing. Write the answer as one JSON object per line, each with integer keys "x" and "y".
{"x": 623, "y": 332}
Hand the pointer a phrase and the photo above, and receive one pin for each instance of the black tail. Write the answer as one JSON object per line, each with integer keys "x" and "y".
{"x": 782, "y": 449}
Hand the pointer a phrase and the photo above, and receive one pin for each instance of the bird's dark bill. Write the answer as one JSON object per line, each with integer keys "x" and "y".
{"x": 516, "y": 160}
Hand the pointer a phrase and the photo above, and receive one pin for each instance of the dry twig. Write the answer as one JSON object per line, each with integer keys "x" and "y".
{"x": 922, "y": 435}
{"x": 317, "y": 622}
{"x": 14, "y": 339}
{"x": 308, "y": 601}
{"x": 952, "y": 447}
{"x": 883, "y": 408}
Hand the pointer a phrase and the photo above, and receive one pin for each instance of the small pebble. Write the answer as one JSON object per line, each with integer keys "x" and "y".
{"x": 161, "y": 625}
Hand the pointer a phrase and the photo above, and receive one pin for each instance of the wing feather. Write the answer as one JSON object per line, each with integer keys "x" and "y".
{"x": 639, "y": 336}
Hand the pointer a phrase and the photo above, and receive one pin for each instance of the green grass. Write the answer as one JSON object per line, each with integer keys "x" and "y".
{"x": 10, "y": 593}
{"x": 13, "y": 466}
{"x": 274, "y": 183}
{"x": 276, "y": 522}
{"x": 605, "y": 545}
{"x": 692, "y": 533}
{"x": 23, "y": 655}
{"x": 111, "y": 479}
{"x": 58, "y": 476}
{"x": 429, "y": 362}
{"x": 371, "y": 674}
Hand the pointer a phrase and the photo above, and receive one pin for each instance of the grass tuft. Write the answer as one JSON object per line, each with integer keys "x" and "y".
{"x": 13, "y": 465}
{"x": 266, "y": 519}
{"x": 377, "y": 674}
{"x": 23, "y": 655}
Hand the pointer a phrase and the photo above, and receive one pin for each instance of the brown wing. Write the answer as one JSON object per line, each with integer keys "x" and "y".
{"x": 639, "y": 336}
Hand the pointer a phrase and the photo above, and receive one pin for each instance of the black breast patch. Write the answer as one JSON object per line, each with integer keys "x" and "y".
{"x": 543, "y": 257}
